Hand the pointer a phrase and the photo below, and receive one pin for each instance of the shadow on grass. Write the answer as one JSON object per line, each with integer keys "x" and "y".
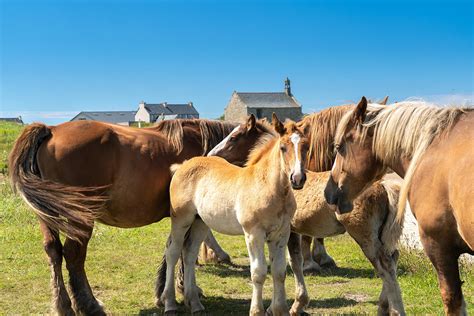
{"x": 234, "y": 306}
{"x": 243, "y": 271}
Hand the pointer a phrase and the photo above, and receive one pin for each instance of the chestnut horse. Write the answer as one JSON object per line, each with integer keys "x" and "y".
{"x": 372, "y": 223}
{"x": 255, "y": 201}
{"x": 79, "y": 172}
{"x": 431, "y": 148}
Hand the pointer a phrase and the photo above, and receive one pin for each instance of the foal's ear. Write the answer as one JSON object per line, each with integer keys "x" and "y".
{"x": 251, "y": 123}
{"x": 277, "y": 125}
{"x": 384, "y": 100}
{"x": 359, "y": 112}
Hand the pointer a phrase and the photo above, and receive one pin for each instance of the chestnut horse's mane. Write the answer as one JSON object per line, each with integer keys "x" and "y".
{"x": 320, "y": 128}
{"x": 211, "y": 131}
{"x": 403, "y": 129}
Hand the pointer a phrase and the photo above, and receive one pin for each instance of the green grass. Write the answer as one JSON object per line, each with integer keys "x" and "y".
{"x": 8, "y": 133}
{"x": 122, "y": 264}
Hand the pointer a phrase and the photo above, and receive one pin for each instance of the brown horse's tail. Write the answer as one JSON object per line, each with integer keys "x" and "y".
{"x": 68, "y": 209}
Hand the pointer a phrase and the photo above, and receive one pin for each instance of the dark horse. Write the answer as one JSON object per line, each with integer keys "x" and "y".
{"x": 80, "y": 172}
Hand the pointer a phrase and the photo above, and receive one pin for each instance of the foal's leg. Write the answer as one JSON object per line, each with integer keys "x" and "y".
{"x": 196, "y": 235}
{"x": 445, "y": 261}
{"x": 53, "y": 248}
{"x": 296, "y": 262}
{"x": 179, "y": 227}
{"x": 276, "y": 249}
{"x": 211, "y": 244}
{"x": 83, "y": 300}
{"x": 321, "y": 255}
{"x": 255, "y": 241}
{"x": 309, "y": 265}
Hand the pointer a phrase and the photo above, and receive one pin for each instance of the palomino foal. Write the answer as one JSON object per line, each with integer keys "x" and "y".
{"x": 256, "y": 201}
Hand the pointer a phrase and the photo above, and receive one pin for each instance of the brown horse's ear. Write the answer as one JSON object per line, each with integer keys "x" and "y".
{"x": 251, "y": 122}
{"x": 384, "y": 100}
{"x": 359, "y": 113}
{"x": 277, "y": 125}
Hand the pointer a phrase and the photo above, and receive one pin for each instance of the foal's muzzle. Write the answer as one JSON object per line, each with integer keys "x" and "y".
{"x": 297, "y": 182}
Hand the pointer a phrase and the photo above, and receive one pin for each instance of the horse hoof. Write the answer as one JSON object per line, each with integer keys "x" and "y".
{"x": 171, "y": 313}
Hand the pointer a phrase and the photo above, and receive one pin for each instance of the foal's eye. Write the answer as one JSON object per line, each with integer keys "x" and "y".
{"x": 282, "y": 148}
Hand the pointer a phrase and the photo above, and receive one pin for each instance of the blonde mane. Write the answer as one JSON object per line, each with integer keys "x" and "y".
{"x": 320, "y": 128}
{"x": 264, "y": 144}
{"x": 405, "y": 129}
{"x": 212, "y": 132}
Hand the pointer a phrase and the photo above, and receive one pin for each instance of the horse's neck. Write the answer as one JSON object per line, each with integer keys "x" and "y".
{"x": 271, "y": 167}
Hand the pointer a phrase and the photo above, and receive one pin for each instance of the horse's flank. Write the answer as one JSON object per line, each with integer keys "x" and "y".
{"x": 403, "y": 130}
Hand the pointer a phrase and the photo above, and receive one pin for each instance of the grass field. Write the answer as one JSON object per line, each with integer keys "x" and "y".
{"x": 122, "y": 264}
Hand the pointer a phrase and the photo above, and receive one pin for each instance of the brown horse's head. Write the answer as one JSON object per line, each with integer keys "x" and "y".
{"x": 293, "y": 146}
{"x": 355, "y": 166}
{"x": 236, "y": 147}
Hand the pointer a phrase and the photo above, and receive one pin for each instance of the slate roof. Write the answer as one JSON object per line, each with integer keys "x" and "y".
{"x": 17, "y": 120}
{"x": 109, "y": 116}
{"x": 170, "y": 109}
{"x": 267, "y": 100}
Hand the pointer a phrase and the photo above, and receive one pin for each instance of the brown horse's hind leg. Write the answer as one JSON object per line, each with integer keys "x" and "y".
{"x": 212, "y": 252}
{"x": 445, "y": 262}
{"x": 52, "y": 245}
{"x": 83, "y": 299}
{"x": 309, "y": 265}
{"x": 321, "y": 255}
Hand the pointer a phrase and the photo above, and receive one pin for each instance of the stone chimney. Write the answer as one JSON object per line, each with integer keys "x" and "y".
{"x": 165, "y": 104}
{"x": 141, "y": 105}
{"x": 288, "y": 87}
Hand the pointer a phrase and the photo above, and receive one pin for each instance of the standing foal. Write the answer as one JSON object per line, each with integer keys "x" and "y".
{"x": 256, "y": 201}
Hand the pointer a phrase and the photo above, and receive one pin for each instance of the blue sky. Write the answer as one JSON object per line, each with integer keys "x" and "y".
{"x": 61, "y": 57}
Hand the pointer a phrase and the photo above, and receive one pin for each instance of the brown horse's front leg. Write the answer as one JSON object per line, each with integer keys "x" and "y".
{"x": 54, "y": 250}
{"x": 83, "y": 299}
{"x": 211, "y": 251}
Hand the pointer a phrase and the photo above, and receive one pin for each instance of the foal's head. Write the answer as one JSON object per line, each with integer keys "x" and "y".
{"x": 355, "y": 166}
{"x": 293, "y": 147}
{"x": 236, "y": 147}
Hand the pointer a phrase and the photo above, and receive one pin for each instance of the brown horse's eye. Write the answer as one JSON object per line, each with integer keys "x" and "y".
{"x": 232, "y": 139}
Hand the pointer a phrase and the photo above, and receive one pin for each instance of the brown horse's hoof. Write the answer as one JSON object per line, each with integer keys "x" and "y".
{"x": 171, "y": 313}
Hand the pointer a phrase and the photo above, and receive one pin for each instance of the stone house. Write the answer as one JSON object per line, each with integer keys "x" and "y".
{"x": 151, "y": 113}
{"x": 263, "y": 104}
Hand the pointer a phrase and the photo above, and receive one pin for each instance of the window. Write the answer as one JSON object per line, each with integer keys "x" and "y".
{"x": 259, "y": 113}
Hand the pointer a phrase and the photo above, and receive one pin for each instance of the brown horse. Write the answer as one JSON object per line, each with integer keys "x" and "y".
{"x": 431, "y": 147}
{"x": 79, "y": 172}
{"x": 372, "y": 223}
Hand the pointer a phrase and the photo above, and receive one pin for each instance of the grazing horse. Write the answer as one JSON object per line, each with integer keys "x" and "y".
{"x": 256, "y": 201}
{"x": 79, "y": 172}
{"x": 431, "y": 148}
{"x": 372, "y": 223}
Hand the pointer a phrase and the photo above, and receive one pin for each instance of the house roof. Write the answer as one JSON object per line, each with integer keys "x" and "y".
{"x": 267, "y": 100}
{"x": 170, "y": 109}
{"x": 12, "y": 119}
{"x": 108, "y": 116}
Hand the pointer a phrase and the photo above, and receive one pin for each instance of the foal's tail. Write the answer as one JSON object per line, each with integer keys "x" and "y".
{"x": 392, "y": 229}
{"x": 68, "y": 209}
{"x": 174, "y": 167}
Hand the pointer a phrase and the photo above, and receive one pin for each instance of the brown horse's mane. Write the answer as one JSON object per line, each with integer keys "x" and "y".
{"x": 211, "y": 131}
{"x": 320, "y": 128}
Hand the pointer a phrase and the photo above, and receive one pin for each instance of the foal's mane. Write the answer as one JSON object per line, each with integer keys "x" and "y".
{"x": 321, "y": 132}
{"x": 405, "y": 129}
{"x": 211, "y": 131}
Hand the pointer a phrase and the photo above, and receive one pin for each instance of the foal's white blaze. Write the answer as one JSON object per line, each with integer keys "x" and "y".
{"x": 297, "y": 172}
{"x": 221, "y": 145}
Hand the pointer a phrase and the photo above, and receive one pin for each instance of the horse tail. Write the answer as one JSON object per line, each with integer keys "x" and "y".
{"x": 174, "y": 167}
{"x": 68, "y": 209}
{"x": 392, "y": 228}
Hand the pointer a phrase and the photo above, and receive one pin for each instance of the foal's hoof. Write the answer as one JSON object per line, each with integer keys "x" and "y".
{"x": 312, "y": 269}
{"x": 171, "y": 313}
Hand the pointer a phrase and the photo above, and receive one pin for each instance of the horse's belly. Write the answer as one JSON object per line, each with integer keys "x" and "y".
{"x": 222, "y": 220}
